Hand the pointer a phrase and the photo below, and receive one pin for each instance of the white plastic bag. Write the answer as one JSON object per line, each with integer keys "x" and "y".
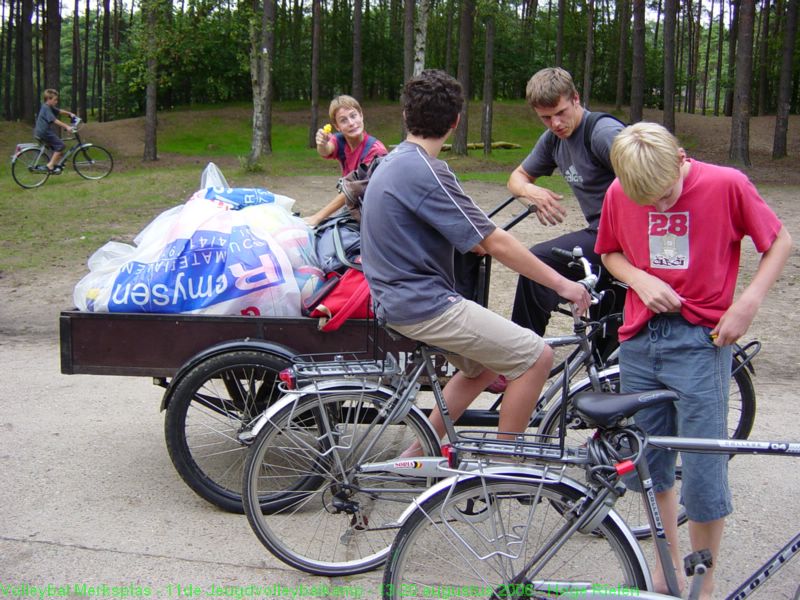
{"x": 202, "y": 258}
{"x": 212, "y": 177}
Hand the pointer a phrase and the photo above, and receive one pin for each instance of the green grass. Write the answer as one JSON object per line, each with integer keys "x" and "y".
{"x": 62, "y": 223}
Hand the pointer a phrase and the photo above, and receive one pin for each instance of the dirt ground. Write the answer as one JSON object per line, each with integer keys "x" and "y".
{"x": 29, "y": 338}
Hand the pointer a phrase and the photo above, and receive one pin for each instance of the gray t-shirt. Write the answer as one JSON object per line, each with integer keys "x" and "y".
{"x": 414, "y": 214}
{"x": 589, "y": 181}
{"x": 47, "y": 114}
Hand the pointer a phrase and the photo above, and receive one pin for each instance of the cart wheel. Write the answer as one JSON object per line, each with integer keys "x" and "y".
{"x": 211, "y": 405}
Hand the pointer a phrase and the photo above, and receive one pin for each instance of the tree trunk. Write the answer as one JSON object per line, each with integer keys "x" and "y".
{"x": 84, "y": 102}
{"x": 52, "y": 61}
{"x": 589, "y": 57}
{"x": 151, "y": 92}
{"x": 637, "y": 68}
{"x": 732, "y": 42}
{"x": 8, "y": 103}
{"x": 26, "y": 112}
{"x": 448, "y": 49}
{"x": 408, "y": 39}
{"x": 785, "y": 85}
{"x": 708, "y": 57}
{"x": 720, "y": 43}
{"x": 106, "y": 63}
{"x": 658, "y": 24}
{"x": 562, "y": 10}
{"x": 740, "y": 119}
{"x": 316, "y": 35}
{"x": 763, "y": 60}
{"x": 259, "y": 80}
{"x": 357, "y": 88}
{"x": 670, "y": 14}
{"x": 268, "y": 29}
{"x": 76, "y": 58}
{"x": 622, "y": 55}
{"x": 488, "y": 87}
{"x": 464, "y": 57}
{"x": 421, "y": 36}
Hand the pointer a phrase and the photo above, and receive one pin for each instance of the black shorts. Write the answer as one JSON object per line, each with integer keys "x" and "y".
{"x": 52, "y": 141}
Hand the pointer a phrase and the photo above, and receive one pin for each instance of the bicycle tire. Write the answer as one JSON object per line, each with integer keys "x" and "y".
{"x": 28, "y": 170}
{"x": 741, "y": 410}
{"x": 209, "y": 407}
{"x": 92, "y": 162}
{"x": 472, "y": 539}
{"x": 294, "y": 483}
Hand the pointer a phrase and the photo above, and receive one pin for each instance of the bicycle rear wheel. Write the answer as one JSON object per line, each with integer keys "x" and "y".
{"x": 303, "y": 494}
{"x": 501, "y": 539}
{"x": 93, "y": 162}
{"x": 29, "y": 168}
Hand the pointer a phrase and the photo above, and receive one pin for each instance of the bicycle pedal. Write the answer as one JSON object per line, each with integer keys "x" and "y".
{"x": 701, "y": 557}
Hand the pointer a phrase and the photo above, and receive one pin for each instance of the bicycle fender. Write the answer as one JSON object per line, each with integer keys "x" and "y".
{"x": 586, "y": 382}
{"x": 230, "y": 346}
{"x": 22, "y": 148}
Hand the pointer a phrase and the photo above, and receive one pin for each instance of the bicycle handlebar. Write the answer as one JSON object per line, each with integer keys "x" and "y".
{"x": 576, "y": 258}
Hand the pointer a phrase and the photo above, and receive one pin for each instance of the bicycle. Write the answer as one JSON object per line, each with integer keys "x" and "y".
{"x": 29, "y": 161}
{"x": 504, "y": 531}
{"x": 325, "y": 446}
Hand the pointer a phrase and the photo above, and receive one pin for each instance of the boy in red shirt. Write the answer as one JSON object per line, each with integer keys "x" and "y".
{"x": 671, "y": 228}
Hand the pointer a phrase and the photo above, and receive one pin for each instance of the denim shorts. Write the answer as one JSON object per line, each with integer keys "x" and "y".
{"x": 672, "y": 353}
{"x": 481, "y": 338}
{"x": 51, "y": 140}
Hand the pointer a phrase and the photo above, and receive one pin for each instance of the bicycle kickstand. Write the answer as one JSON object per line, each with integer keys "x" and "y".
{"x": 696, "y": 566}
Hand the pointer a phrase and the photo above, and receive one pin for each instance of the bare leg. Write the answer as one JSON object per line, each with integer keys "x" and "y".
{"x": 668, "y": 507}
{"x": 518, "y": 401}
{"x": 707, "y": 536}
{"x": 54, "y": 159}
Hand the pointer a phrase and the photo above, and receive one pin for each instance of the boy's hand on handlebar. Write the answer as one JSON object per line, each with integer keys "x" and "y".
{"x": 576, "y": 294}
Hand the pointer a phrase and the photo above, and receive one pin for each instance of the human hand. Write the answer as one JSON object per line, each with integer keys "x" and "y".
{"x": 576, "y": 294}
{"x": 656, "y": 294}
{"x": 548, "y": 204}
{"x": 323, "y": 134}
{"x": 734, "y": 323}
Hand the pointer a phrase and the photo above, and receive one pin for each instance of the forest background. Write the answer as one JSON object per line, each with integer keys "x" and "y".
{"x": 112, "y": 59}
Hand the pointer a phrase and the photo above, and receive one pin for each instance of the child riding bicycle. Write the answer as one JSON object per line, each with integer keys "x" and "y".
{"x": 48, "y": 115}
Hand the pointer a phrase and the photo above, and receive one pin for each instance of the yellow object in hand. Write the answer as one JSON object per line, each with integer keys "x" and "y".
{"x": 327, "y": 128}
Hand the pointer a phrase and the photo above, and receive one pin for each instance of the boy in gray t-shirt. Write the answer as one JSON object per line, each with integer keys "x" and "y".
{"x": 414, "y": 215}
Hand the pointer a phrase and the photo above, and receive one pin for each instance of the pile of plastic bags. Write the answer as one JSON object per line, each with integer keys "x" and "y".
{"x": 225, "y": 251}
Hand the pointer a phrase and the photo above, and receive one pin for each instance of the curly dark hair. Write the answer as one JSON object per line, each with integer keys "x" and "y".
{"x": 431, "y": 103}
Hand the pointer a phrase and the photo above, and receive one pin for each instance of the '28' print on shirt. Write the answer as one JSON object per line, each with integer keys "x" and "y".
{"x": 668, "y": 234}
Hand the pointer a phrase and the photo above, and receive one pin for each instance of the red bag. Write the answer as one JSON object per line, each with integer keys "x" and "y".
{"x": 349, "y": 298}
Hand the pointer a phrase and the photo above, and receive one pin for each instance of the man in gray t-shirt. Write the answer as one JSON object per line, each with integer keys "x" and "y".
{"x": 552, "y": 95}
{"x": 414, "y": 215}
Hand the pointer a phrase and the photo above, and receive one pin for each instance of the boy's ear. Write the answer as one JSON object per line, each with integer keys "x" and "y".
{"x": 458, "y": 120}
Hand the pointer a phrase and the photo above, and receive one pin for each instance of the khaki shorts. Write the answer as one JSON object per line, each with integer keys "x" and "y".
{"x": 482, "y": 339}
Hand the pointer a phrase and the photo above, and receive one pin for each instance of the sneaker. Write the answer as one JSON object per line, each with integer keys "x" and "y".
{"x": 498, "y": 386}
{"x": 56, "y": 170}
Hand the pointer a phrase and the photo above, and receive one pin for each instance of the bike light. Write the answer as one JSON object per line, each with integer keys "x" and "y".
{"x": 626, "y": 466}
{"x": 288, "y": 379}
{"x": 451, "y": 454}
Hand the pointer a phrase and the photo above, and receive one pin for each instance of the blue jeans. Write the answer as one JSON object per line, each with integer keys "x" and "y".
{"x": 672, "y": 353}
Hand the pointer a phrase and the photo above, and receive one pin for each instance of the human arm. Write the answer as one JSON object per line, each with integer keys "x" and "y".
{"x": 657, "y": 295}
{"x": 326, "y": 211}
{"x": 548, "y": 206}
{"x": 508, "y": 250}
{"x": 326, "y": 143}
{"x": 737, "y": 319}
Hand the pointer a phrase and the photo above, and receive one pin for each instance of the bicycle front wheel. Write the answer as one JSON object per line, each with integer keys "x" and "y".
{"x": 29, "y": 168}
{"x": 304, "y": 494}
{"x": 93, "y": 162}
{"x": 501, "y": 539}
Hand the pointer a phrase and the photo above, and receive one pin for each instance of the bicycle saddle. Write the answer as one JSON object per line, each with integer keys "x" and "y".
{"x": 605, "y": 409}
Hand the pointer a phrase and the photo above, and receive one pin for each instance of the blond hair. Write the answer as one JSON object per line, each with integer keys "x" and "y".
{"x": 548, "y": 86}
{"x": 646, "y": 160}
{"x": 343, "y": 101}
{"x": 50, "y": 93}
